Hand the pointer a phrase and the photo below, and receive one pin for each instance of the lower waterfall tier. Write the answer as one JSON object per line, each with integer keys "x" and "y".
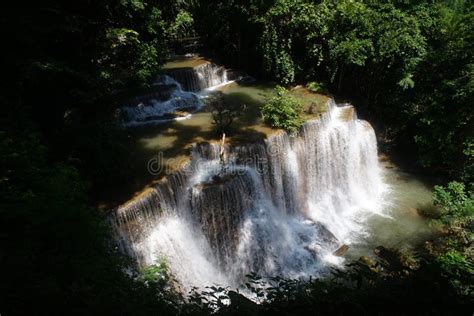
{"x": 277, "y": 208}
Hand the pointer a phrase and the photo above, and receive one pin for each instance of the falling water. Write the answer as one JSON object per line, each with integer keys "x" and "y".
{"x": 201, "y": 77}
{"x": 173, "y": 96}
{"x": 278, "y": 207}
{"x": 151, "y": 110}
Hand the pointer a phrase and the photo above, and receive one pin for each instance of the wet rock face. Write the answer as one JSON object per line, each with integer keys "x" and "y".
{"x": 326, "y": 236}
{"x": 216, "y": 180}
{"x": 325, "y": 240}
{"x": 219, "y": 205}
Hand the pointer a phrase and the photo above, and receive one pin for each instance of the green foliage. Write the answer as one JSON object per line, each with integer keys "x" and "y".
{"x": 456, "y": 265}
{"x": 441, "y": 108}
{"x": 453, "y": 252}
{"x": 282, "y": 110}
{"x": 454, "y": 200}
{"x": 232, "y": 30}
{"x": 407, "y": 82}
{"x": 458, "y": 268}
{"x": 315, "y": 87}
{"x": 292, "y": 24}
{"x": 157, "y": 273}
{"x": 335, "y": 40}
{"x": 182, "y": 26}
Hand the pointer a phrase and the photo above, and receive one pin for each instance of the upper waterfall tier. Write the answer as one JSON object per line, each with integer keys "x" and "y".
{"x": 168, "y": 102}
{"x": 276, "y": 207}
{"x": 200, "y": 77}
{"x": 173, "y": 96}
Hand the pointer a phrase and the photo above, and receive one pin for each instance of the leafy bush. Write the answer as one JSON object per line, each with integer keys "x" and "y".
{"x": 456, "y": 264}
{"x": 453, "y": 200}
{"x": 454, "y": 253}
{"x": 316, "y": 87}
{"x": 182, "y": 26}
{"x": 459, "y": 270}
{"x": 156, "y": 273}
{"x": 282, "y": 110}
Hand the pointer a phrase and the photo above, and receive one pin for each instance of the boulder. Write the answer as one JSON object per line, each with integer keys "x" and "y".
{"x": 325, "y": 235}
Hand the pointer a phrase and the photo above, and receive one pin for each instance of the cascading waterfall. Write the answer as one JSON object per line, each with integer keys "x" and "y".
{"x": 278, "y": 207}
{"x": 152, "y": 110}
{"x": 201, "y": 77}
{"x": 172, "y": 93}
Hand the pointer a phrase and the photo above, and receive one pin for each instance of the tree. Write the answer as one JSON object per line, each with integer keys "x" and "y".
{"x": 224, "y": 112}
{"x": 282, "y": 110}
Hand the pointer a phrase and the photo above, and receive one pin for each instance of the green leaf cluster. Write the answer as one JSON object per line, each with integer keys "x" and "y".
{"x": 282, "y": 110}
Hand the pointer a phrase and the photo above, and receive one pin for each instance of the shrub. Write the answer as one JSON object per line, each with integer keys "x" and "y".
{"x": 315, "y": 87}
{"x": 456, "y": 205}
{"x": 156, "y": 273}
{"x": 459, "y": 270}
{"x": 282, "y": 110}
{"x": 456, "y": 264}
{"x": 453, "y": 200}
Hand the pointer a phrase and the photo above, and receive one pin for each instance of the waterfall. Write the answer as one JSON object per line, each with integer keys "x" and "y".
{"x": 173, "y": 96}
{"x": 278, "y": 207}
{"x": 201, "y": 77}
{"x": 150, "y": 109}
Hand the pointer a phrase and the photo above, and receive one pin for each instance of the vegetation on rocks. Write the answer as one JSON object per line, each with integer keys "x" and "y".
{"x": 282, "y": 110}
